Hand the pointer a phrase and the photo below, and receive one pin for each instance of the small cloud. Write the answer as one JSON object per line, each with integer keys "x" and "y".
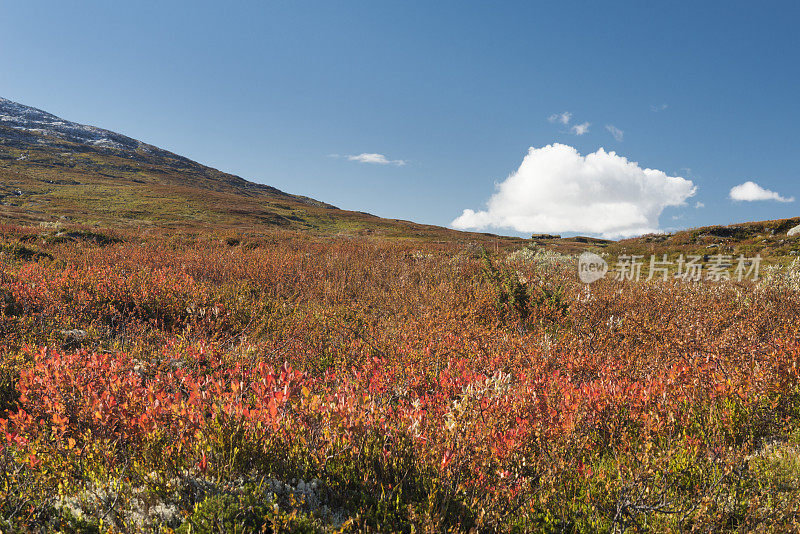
{"x": 751, "y": 191}
{"x": 375, "y": 159}
{"x": 580, "y": 129}
{"x": 698, "y": 205}
{"x": 656, "y": 109}
{"x": 564, "y": 117}
{"x": 616, "y": 132}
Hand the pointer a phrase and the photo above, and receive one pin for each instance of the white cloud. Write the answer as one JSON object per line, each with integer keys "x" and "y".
{"x": 563, "y": 117}
{"x": 556, "y": 190}
{"x": 580, "y": 129}
{"x": 377, "y": 159}
{"x": 698, "y": 205}
{"x": 616, "y": 132}
{"x": 751, "y": 191}
{"x": 656, "y": 109}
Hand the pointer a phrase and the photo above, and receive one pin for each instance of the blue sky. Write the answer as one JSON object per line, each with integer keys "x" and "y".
{"x": 458, "y": 91}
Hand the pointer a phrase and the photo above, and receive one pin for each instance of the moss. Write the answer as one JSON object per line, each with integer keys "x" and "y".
{"x": 247, "y": 511}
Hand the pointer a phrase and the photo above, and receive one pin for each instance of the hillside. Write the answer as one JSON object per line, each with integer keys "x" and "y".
{"x": 53, "y": 171}
{"x": 767, "y": 238}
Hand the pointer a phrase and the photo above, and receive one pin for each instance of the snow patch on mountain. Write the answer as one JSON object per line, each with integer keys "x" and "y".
{"x": 26, "y": 118}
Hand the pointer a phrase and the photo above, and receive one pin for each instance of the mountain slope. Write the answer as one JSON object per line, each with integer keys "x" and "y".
{"x": 53, "y": 170}
{"x": 28, "y": 129}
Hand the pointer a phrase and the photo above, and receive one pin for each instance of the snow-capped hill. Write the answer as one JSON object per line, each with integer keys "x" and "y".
{"x": 34, "y": 143}
{"x": 26, "y": 118}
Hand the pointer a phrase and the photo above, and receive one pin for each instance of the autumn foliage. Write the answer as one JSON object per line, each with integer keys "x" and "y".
{"x": 428, "y": 387}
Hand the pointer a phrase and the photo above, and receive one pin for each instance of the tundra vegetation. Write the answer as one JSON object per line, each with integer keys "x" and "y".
{"x": 284, "y": 382}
